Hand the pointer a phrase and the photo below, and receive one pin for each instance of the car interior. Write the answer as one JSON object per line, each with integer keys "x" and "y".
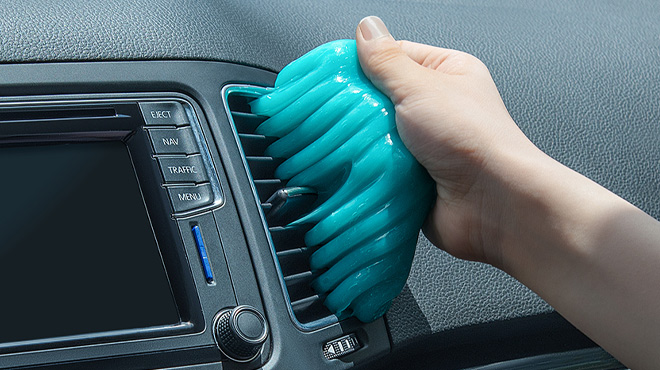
{"x": 159, "y": 239}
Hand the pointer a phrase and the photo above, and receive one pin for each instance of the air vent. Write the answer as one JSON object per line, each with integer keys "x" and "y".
{"x": 280, "y": 205}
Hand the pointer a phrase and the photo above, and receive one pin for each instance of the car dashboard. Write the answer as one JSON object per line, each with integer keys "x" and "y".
{"x": 155, "y": 78}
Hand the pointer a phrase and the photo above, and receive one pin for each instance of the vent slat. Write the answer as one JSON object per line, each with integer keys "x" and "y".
{"x": 303, "y": 302}
{"x": 305, "y": 277}
{"x": 239, "y": 103}
{"x": 287, "y": 237}
{"x": 266, "y": 188}
{"x": 310, "y": 309}
{"x": 300, "y": 291}
{"x": 294, "y": 261}
{"x": 247, "y": 122}
{"x": 262, "y": 167}
{"x": 299, "y": 285}
{"x": 255, "y": 145}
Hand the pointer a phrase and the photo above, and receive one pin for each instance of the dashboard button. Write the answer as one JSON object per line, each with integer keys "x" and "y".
{"x": 240, "y": 332}
{"x": 186, "y": 198}
{"x": 173, "y": 141}
{"x": 183, "y": 169}
{"x": 164, "y": 113}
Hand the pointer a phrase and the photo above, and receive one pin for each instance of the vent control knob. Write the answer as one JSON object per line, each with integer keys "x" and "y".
{"x": 240, "y": 332}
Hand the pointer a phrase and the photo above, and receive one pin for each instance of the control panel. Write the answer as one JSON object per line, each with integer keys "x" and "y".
{"x": 182, "y": 155}
{"x": 147, "y": 231}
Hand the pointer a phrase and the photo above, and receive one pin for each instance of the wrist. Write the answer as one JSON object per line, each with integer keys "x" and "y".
{"x": 550, "y": 217}
{"x": 527, "y": 201}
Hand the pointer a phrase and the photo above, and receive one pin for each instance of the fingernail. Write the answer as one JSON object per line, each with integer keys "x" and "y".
{"x": 373, "y": 28}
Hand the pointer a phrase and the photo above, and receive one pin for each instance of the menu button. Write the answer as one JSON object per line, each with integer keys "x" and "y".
{"x": 185, "y": 198}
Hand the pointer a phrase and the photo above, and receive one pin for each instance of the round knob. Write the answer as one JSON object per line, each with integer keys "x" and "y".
{"x": 240, "y": 332}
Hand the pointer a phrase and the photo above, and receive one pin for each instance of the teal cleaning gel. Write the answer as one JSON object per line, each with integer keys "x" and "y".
{"x": 337, "y": 134}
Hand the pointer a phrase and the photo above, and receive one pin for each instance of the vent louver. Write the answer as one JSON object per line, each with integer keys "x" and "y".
{"x": 280, "y": 205}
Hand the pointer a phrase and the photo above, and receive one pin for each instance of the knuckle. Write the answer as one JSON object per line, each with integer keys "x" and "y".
{"x": 383, "y": 56}
{"x": 461, "y": 62}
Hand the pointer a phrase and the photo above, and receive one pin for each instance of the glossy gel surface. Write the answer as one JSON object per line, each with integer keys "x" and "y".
{"x": 338, "y": 135}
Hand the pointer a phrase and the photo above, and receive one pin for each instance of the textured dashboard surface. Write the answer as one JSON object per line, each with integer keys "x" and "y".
{"x": 580, "y": 78}
{"x": 444, "y": 293}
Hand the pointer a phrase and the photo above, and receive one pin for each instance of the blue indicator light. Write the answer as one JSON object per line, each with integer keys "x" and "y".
{"x": 201, "y": 248}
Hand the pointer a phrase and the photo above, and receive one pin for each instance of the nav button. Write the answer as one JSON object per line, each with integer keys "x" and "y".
{"x": 185, "y": 198}
{"x": 173, "y": 141}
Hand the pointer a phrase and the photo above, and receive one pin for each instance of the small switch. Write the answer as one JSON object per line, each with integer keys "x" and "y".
{"x": 164, "y": 113}
{"x": 341, "y": 346}
{"x": 185, "y": 198}
{"x": 183, "y": 169}
{"x": 173, "y": 141}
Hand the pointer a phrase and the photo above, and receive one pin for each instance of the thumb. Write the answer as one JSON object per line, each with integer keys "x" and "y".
{"x": 383, "y": 60}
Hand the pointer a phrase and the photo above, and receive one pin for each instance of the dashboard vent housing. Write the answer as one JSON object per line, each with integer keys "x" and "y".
{"x": 280, "y": 205}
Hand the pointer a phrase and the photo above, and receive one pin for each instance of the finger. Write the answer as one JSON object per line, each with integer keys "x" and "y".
{"x": 425, "y": 55}
{"x": 447, "y": 61}
{"x": 382, "y": 59}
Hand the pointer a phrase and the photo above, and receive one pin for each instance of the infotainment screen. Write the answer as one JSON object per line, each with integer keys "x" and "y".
{"x": 78, "y": 253}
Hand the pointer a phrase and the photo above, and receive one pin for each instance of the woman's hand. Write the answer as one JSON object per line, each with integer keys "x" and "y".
{"x": 590, "y": 254}
{"x": 451, "y": 117}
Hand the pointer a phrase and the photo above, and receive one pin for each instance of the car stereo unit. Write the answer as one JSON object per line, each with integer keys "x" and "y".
{"x": 108, "y": 241}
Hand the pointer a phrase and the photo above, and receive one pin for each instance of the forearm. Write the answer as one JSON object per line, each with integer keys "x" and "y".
{"x": 590, "y": 254}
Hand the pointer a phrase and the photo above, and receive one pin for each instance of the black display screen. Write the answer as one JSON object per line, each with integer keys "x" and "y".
{"x": 77, "y": 251}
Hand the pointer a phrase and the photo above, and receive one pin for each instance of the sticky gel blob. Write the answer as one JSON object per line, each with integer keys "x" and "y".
{"x": 337, "y": 135}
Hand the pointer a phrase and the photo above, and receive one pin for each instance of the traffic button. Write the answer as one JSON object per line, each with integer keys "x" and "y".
{"x": 183, "y": 169}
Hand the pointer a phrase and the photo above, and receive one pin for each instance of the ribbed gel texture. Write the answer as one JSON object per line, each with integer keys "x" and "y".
{"x": 337, "y": 134}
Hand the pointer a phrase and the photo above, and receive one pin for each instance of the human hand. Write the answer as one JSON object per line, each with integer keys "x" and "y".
{"x": 590, "y": 254}
{"x": 451, "y": 117}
